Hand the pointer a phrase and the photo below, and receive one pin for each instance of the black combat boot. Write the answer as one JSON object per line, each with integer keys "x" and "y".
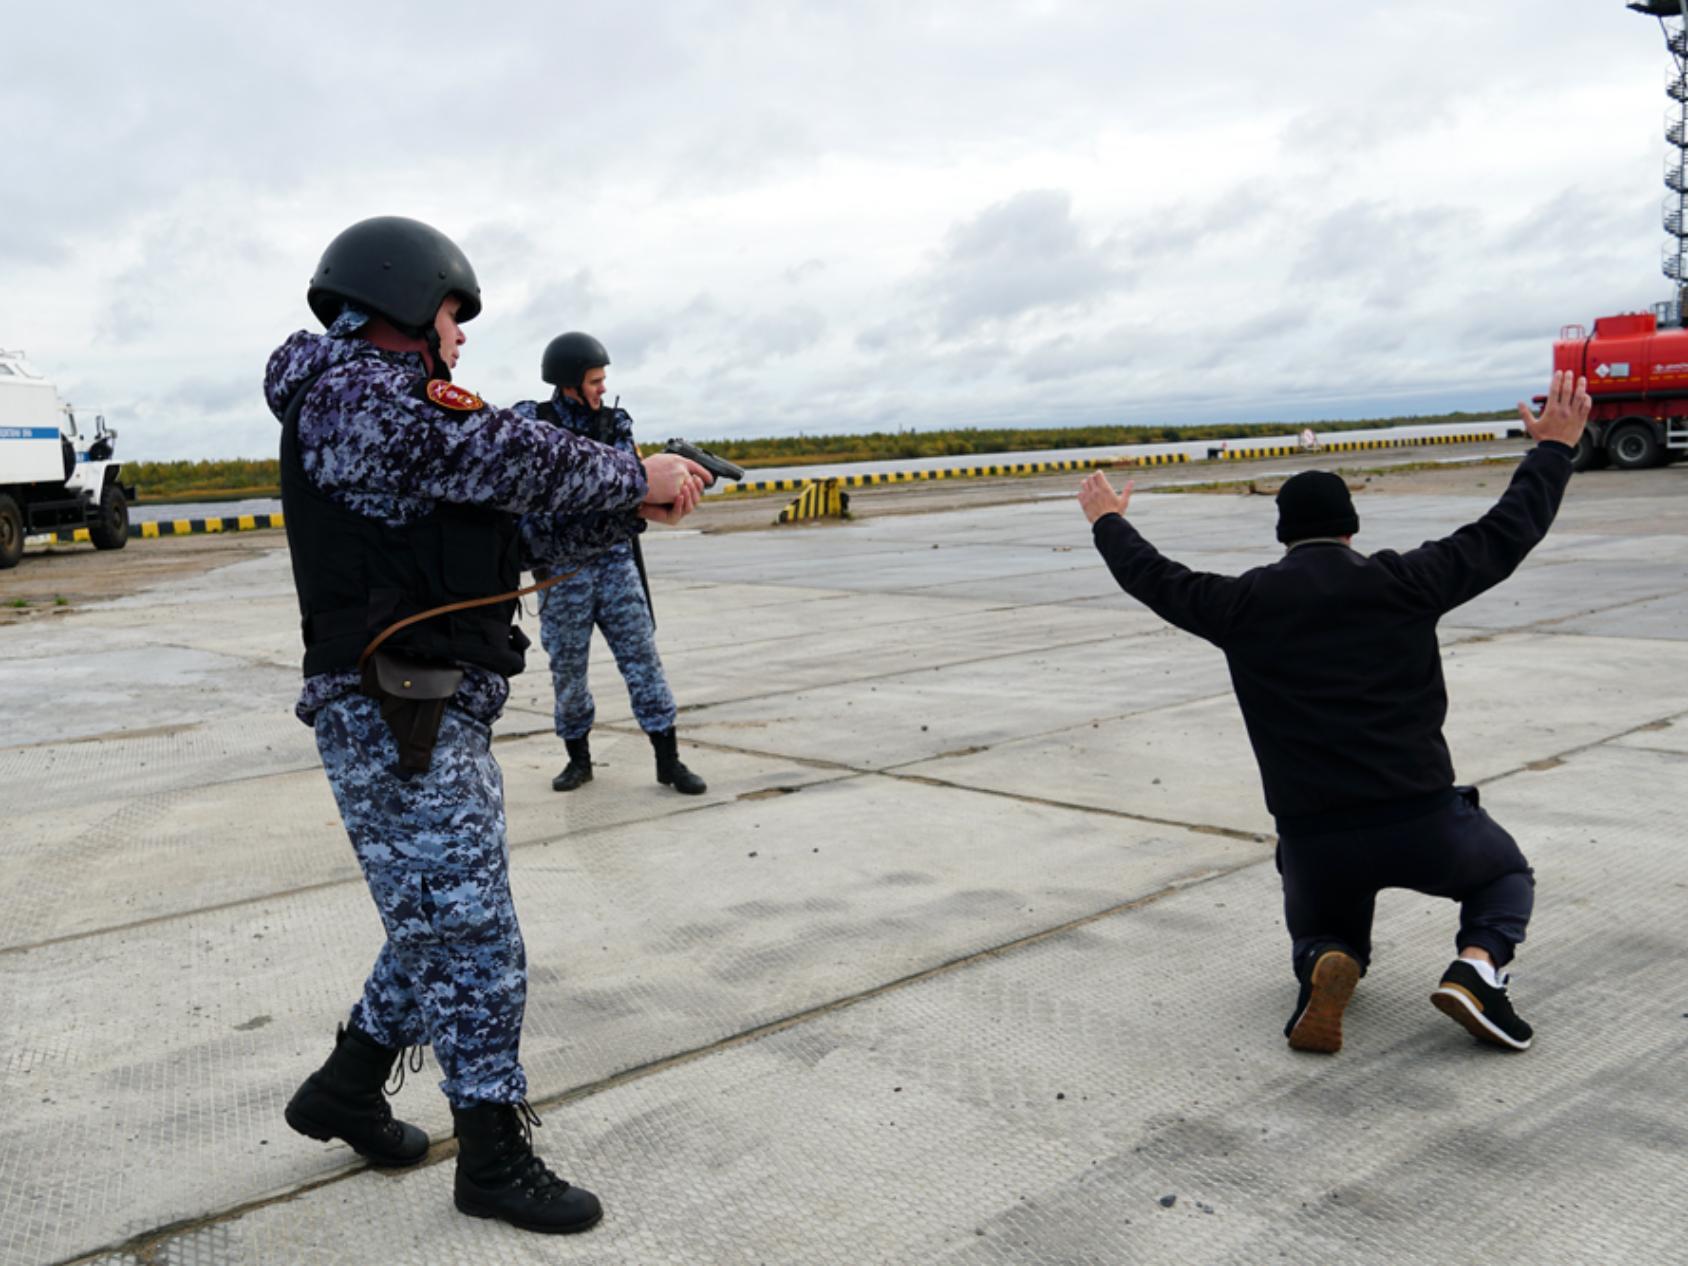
{"x": 579, "y": 768}
{"x": 343, "y": 1100}
{"x": 498, "y": 1176}
{"x": 669, "y": 771}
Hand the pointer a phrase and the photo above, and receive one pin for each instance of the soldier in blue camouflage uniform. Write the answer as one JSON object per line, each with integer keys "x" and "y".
{"x": 400, "y": 490}
{"x": 607, "y": 589}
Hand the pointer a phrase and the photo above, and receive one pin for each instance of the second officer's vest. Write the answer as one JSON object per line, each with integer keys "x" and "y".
{"x": 356, "y": 575}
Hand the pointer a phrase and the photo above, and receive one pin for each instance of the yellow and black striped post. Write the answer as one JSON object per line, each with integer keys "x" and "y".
{"x": 819, "y": 499}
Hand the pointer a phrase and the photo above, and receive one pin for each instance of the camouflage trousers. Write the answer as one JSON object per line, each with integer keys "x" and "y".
{"x": 605, "y": 593}
{"x": 453, "y": 971}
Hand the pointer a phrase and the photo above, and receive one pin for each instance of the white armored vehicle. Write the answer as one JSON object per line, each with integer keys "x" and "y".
{"x": 52, "y": 477}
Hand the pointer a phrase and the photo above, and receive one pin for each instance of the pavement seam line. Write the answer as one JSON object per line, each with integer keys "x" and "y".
{"x": 1205, "y": 829}
{"x": 1200, "y": 828}
{"x": 146, "y": 1244}
{"x": 325, "y": 884}
{"x": 1547, "y": 625}
{"x": 845, "y": 771}
{"x": 1643, "y": 727}
{"x": 536, "y": 711}
{"x": 689, "y": 709}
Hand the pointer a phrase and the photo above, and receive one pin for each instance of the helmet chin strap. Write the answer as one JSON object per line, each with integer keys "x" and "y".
{"x": 390, "y": 336}
{"x": 438, "y": 367}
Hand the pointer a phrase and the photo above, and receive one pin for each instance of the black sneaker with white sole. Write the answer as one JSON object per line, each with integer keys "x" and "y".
{"x": 1316, "y": 1024}
{"x": 1484, "y": 1010}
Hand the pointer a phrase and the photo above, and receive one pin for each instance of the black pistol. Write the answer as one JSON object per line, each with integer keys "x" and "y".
{"x": 720, "y": 467}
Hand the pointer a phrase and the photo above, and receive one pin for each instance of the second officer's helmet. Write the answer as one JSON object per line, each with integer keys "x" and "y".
{"x": 397, "y": 268}
{"x": 568, "y": 357}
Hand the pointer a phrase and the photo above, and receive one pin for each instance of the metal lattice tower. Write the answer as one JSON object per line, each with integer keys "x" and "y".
{"x": 1673, "y": 21}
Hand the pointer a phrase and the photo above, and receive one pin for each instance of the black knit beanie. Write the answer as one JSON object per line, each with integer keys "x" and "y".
{"x": 1315, "y": 503}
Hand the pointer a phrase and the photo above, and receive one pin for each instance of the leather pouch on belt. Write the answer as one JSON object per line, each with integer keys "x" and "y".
{"x": 412, "y": 694}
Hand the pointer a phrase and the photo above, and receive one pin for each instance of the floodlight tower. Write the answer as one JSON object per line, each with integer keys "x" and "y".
{"x": 1673, "y": 21}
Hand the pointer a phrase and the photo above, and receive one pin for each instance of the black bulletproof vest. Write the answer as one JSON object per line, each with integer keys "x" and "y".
{"x": 599, "y": 425}
{"x": 356, "y": 575}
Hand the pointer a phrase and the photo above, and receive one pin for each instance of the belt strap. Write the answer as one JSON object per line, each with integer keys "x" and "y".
{"x": 466, "y": 605}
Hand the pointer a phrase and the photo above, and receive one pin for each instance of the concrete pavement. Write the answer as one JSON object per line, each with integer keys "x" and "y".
{"x": 972, "y": 953}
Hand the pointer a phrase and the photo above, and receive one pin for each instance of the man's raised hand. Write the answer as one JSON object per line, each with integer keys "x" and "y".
{"x": 1096, "y": 496}
{"x": 1565, "y": 414}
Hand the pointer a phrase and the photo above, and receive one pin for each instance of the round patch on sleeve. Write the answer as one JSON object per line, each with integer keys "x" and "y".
{"x": 450, "y": 396}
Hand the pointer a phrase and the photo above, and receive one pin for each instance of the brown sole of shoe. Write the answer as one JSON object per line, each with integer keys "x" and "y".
{"x": 1319, "y": 1028}
{"x": 1465, "y": 1011}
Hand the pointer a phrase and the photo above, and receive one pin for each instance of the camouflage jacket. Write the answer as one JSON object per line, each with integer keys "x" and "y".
{"x": 559, "y": 542}
{"x": 374, "y": 441}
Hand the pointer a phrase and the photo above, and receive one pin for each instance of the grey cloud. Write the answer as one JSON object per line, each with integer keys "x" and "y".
{"x": 783, "y": 333}
{"x": 564, "y": 303}
{"x": 499, "y": 247}
{"x": 1175, "y": 229}
{"x": 1386, "y": 256}
{"x": 1348, "y": 132}
{"x": 1068, "y": 357}
{"x": 1163, "y": 351}
{"x": 213, "y": 395}
{"x": 180, "y": 261}
{"x": 632, "y": 342}
{"x": 1583, "y": 229}
{"x": 799, "y": 273}
{"x": 880, "y": 337}
{"x": 1265, "y": 326}
{"x": 129, "y": 318}
{"x": 1015, "y": 257}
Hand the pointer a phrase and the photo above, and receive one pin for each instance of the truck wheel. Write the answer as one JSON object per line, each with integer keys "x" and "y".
{"x": 1633, "y": 446}
{"x": 11, "y": 532}
{"x": 112, "y": 529}
{"x": 1587, "y": 455}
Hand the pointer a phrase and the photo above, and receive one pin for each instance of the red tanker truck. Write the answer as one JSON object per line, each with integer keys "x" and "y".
{"x": 1638, "y": 376}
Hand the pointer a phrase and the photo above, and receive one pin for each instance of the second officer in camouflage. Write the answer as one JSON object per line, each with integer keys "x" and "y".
{"x": 607, "y": 588}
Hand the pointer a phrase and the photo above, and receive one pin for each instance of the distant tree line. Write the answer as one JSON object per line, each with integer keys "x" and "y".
{"x": 235, "y": 478}
{"x": 229, "y": 479}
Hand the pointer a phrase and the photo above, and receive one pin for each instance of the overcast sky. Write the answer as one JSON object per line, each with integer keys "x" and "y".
{"x": 842, "y": 216}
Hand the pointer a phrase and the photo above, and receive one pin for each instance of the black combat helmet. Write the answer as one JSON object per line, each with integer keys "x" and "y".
{"x": 569, "y": 356}
{"x": 400, "y": 269}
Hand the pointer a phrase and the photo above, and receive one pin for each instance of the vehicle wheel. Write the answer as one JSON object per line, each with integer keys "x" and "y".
{"x": 112, "y": 530}
{"x": 1634, "y": 446}
{"x": 11, "y": 532}
{"x": 1584, "y": 455}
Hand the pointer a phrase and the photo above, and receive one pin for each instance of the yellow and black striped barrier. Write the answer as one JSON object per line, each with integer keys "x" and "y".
{"x": 998, "y": 471}
{"x": 819, "y": 499}
{"x": 1346, "y": 446}
{"x": 152, "y": 529}
{"x": 766, "y": 485}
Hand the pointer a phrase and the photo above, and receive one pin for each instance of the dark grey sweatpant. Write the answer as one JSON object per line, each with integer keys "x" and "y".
{"x": 1332, "y": 878}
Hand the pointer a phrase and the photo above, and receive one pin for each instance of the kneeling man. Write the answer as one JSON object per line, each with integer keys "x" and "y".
{"x": 1334, "y": 659}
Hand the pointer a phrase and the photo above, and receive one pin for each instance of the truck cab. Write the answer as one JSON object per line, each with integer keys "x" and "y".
{"x": 54, "y": 472}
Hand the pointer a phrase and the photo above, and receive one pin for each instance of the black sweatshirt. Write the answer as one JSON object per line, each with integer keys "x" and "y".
{"x": 1333, "y": 654}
